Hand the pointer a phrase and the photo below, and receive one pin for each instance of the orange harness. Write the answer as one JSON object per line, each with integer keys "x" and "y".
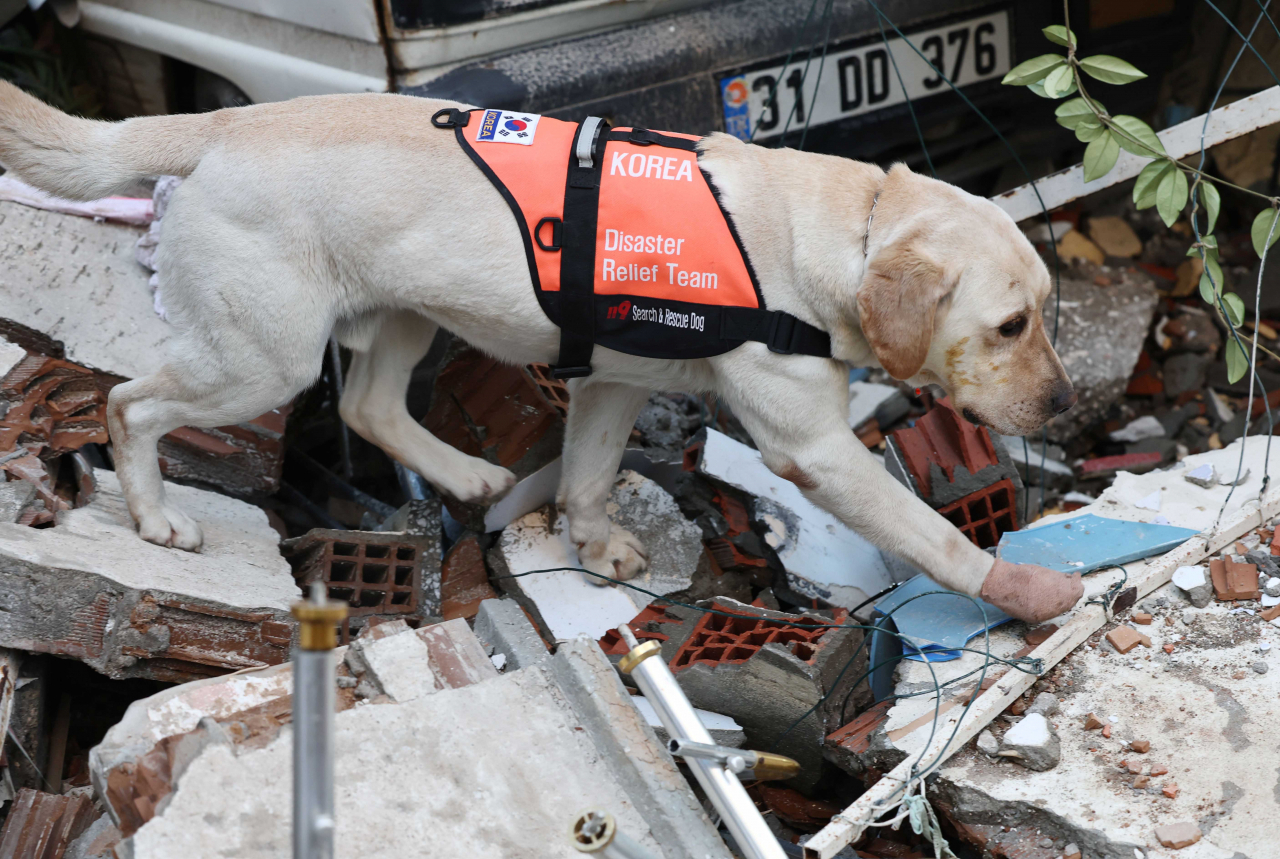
{"x": 627, "y": 243}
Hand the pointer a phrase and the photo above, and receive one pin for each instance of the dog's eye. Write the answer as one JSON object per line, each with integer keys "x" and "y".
{"x": 1013, "y": 327}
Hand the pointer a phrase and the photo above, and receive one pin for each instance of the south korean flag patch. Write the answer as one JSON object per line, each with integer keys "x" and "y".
{"x": 503, "y": 126}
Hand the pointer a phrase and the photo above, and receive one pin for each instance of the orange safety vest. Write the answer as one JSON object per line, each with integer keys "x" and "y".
{"x": 627, "y": 243}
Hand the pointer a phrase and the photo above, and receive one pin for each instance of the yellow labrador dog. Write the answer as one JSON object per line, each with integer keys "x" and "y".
{"x": 351, "y": 214}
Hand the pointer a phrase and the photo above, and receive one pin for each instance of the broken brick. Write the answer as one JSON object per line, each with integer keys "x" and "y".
{"x": 1170, "y": 790}
{"x": 1124, "y": 638}
{"x": 1178, "y": 835}
{"x": 1142, "y": 617}
{"x": 374, "y": 573}
{"x": 1040, "y": 634}
{"x": 1018, "y": 707}
{"x": 1141, "y": 782}
{"x": 1109, "y": 466}
{"x": 1141, "y": 746}
{"x": 242, "y": 458}
{"x": 464, "y": 580}
{"x": 1168, "y": 648}
{"x": 43, "y": 825}
{"x": 855, "y": 737}
{"x": 956, "y": 467}
{"x": 1270, "y": 613}
{"x": 1092, "y": 723}
{"x": 1106, "y": 731}
{"x": 1159, "y": 769}
{"x": 1134, "y": 767}
{"x": 1234, "y": 581}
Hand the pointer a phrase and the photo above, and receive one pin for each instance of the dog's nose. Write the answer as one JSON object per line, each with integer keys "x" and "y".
{"x": 1064, "y": 398}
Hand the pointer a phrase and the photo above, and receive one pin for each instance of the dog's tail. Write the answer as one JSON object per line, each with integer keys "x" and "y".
{"x": 85, "y": 159}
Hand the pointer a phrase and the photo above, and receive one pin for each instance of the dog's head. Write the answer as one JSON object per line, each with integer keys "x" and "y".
{"x": 953, "y": 296}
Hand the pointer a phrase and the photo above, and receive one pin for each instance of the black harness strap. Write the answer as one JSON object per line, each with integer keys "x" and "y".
{"x": 777, "y": 329}
{"x": 578, "y": 251}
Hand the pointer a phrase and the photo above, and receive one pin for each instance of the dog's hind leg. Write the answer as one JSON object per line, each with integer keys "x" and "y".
{"x": 373, "y": 404}
{"x": 601, "y": 415}
{"x": 216, "y": 393}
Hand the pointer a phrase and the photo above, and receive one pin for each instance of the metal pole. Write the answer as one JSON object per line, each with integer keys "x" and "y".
{"x": 313, "y": 706}
{"x": 677, "y": 715}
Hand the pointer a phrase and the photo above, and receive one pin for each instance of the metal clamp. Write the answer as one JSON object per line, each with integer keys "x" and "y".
{"x": 759, "y": 766}
{"x": 596, "y": 831}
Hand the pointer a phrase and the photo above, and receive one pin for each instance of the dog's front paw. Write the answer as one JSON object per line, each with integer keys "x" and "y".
{"x": 622, "y": 558}
{"x": 169, "y": 527}
{"x": 1030, "y": 593}
{"x": 479, "y": 483}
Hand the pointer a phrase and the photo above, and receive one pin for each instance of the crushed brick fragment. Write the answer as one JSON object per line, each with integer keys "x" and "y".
{"x": 1178, "y": 835}
{"x": 1159, "y": 769}
{"x": 1092, "y": 723}
{"x": 1142, "y": 617}
{"x": 1170, "y": 790}
{"x": 43, "y": 825}
{"x": 1125, "y": 638}
{"x": 1233, "y": 581}
{"x": 1270, "y": 613}
{"x": 464, "y": 581}
{"x": 1106, "y": 731}
{"x": 1041, "y": 634}
{"x": 1134, "y": 767}
{"x": 1018, "y": 707}
{"x": 1141, "y": 782}
{"x": 1168, "y": 648}
{"x": 1141, "y": 746}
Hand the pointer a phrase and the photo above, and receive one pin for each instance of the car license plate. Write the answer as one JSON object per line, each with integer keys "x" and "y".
{"x": 861, "y": 79}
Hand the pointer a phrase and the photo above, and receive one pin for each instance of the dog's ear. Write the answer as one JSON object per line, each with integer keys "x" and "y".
{"x": 897, "y": 303}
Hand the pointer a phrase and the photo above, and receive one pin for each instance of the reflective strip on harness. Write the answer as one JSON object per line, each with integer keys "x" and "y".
{"x": 641, "y": 257}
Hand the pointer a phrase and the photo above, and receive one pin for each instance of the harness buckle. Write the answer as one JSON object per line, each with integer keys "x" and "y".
{"x": 784, "y": 334}
{"x": 557, "y": 227}
{"x": 453, "y": 118}
{"x": 642, "y": 137}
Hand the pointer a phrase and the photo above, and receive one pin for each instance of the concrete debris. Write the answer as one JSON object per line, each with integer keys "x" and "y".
{"x": 1147, "y": 426}
{"x": 1033, "y": 742}
{"x": 1259, "y": 667}
{"x": 823, "y": 557}
{"x": 1098, "y": 355}
{"x": 988, "y": 744}
{"x": 1178, "y": 835}
{"x": 962, "y": 471}
{"x": 1272, "y": 586}
{"x": 565, "y": 716}
{"x": 134, "y": 609}
{"x": 503, "y": 627}
{"x": 1195, "y": 582}
{"x": 1046, "y": 704}
{"x": 1202, "y": 475}
{"x": 562, "y": 602}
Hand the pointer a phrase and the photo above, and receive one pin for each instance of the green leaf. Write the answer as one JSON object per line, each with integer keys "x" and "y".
{"x": 1059, "y": 82}
{"x": 1038, "y": 89}
{"x": 1237, "y": 363}
{"x": 1060, "y": 35}
{"x": 1110, "y": 70}
{"x": 1211, "y": 281}
{"x": 1262, "y": 226}
{"x": 1144, "y": 189}
{"x": 1072, "y": 113}
{"x": 1212, "y": 202}
{"x": 1089, "y": 130}
{"x": 1034, "y": 69}
{"x": 1147, "y": 145}
{"x": 1100, "y": 156}
{"x": 1171, "y": 196}
{"x": 1235, "y": 308}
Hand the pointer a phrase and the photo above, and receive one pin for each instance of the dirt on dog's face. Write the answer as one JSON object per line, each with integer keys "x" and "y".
{"x": 954, "y": 296}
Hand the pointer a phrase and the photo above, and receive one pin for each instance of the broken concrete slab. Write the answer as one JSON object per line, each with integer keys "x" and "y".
{"x": 502, "y": 625}
{"x": 566, "y": 715}
{"x": 49, "y": 301}
{"x": 562, "y": 601}
{"x": 823, "y": 557}
{"x": 90, "y": 589}
{"x": 1033, "y": 743}
{"x": 1097, "y": 351}
{"x": 416, "y": 663}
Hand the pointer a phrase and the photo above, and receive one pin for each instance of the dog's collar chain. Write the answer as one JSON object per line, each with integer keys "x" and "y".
{"x": 867, "y": 235}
